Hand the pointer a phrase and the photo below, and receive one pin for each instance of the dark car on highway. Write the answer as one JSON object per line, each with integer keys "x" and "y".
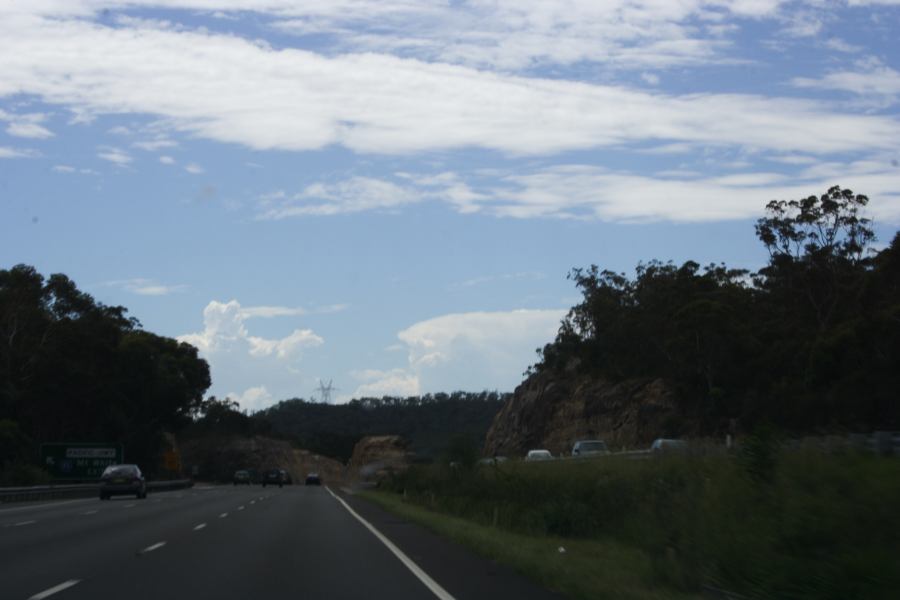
{"x": 313, "y": 479}
{"x": 122, "y": 480}
{"x": 241, "y": 477}
{"x": 273, "y": 477}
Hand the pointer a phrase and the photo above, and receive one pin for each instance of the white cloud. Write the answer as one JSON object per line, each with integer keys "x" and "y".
{"x": 871, "y": 79}
{"x": 29, "y": 130}
{"x": 26, "y": 125}
{"x": 144, "y": 287}
{"x": 64, "y": 169}
{"x": 356, "y": 194}
{"x": 8, "y": 152}
{"x": 194, "y": 169}
{"x": 266, "y": 312}
{"x": 238, "y": 360}
{"x": 395, "y": 382}
{"x": 225, "y": 88}
{"x": 472, "y": 351}
{"x": 167, "y": 160}
{"x": 252, "y": 399}
{"x": 285, "y": 347}
{"x": 579, "y": 191}
{"x": 116, "y": 156}
{"x": 154, "y": 145}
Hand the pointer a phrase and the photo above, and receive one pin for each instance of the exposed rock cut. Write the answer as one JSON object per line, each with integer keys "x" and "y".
{"x": 554, "y": 410}
{"x": 376, "y": 456}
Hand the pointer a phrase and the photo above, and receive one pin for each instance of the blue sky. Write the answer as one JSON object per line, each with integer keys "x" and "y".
{"x": 389, "y": 194}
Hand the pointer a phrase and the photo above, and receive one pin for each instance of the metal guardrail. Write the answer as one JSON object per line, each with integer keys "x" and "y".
{"x": 78, "y": 490}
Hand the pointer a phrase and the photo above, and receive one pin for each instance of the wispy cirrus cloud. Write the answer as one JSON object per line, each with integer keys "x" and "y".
{"x": 117, "y": 156}
{"x": 870, "y": 79}
{"x": 146, "y": 287}
{"x": 11, "y": 152}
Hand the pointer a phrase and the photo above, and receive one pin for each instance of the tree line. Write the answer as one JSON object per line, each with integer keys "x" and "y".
{"x": 810, "y": 342}
{"x": 75, "y": 370}
{"x": 430, "y": 423}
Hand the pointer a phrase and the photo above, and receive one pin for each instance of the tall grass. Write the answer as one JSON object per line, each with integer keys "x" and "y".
{"x": 804, "y": 525}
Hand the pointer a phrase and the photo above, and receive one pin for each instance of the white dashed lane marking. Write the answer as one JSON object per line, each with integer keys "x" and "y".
{"x": 155, "y": 546}
{"x": 240, "y": 508}
{"x": 21, "y": 523}
{"x": 200, "y": 526}
{"x": 91, "y": 512}
{"x": 56, "y": 588}
{"x": 223, "y": 515}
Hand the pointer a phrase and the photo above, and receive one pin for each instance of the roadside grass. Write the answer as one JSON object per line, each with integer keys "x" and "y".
{"x": 764, "y": 523}
{"x": 587, "y": 569}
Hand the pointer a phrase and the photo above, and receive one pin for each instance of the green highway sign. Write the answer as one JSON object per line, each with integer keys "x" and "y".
{"x": 79, "y": 461}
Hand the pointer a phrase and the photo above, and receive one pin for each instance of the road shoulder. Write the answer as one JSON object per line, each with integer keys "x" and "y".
{"x": 460, "y": 571}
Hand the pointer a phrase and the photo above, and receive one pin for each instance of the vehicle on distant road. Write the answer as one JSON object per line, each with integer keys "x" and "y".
{"x": 536, "y": 455}
{"x": 273, "y": 477}
{"x": 241, "y": 477}
{"x": 492, "y": 460}
{"x": 313, "y": 479}
{"x": 122, "y": 480}
{"x": 668, "y": 446}
{"x": 584, "y": 448}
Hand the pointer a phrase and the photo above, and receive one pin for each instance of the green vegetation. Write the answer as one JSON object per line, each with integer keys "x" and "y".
{"x": 586, "y": 569}
{"x": 811, "y": 342}
{"x": 797, "y": 524}
{"x": 75, "y": 370}
{"x": 431, "y": 423}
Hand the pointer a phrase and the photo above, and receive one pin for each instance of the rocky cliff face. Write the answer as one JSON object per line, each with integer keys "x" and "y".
{"x": 554, "y": 410}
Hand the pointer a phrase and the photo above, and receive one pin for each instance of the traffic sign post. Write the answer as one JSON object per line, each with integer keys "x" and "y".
{"x": 79, "y": 461}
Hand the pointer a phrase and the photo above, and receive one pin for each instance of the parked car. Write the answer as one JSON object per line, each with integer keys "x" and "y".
{"x": 585, "y": 448}
{"x": 667, "y": 446}
{"x": 492, "y": 460}
{"x": 241, "y": 477}
{"x": 313, "y": 479}
{"x": 118, "y": 480}
{"x": 286, "y": 477}
{"x": 535, "y": 455}
{"x": 273, "y": 477}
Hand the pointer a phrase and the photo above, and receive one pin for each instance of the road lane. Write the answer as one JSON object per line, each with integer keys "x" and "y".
{"x": 295, "y": 542}
{"x": 63, "y": 544}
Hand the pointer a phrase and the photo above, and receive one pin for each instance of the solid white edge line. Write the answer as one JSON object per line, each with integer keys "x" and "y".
{"x": 56, "y": 588}
{"x": 430, "y": 583}
{"x": 21, "y": 523}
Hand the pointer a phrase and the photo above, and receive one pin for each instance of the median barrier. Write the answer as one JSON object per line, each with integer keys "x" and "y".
{"x": 77, "y": 490}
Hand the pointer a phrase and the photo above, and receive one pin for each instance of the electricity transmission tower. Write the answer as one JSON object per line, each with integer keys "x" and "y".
{"x": 325, "y": 391}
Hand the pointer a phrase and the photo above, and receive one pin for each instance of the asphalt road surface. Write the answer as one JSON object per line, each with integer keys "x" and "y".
{"x": 241, "y": 543}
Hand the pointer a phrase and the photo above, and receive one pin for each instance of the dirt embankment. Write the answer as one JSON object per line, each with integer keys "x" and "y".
{"x": 375, "y": 457}
{"x": 217, "y": 457}
{"x": 553, "y": 410}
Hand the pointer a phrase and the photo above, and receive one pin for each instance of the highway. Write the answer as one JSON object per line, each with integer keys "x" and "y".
{"x": 242, "y": 543}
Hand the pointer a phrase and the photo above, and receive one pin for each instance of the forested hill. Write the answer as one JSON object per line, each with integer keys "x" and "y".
{"x": 75, "y": 370}
{"x": 429, "y": 422}
{"x": 810, "y": 342}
